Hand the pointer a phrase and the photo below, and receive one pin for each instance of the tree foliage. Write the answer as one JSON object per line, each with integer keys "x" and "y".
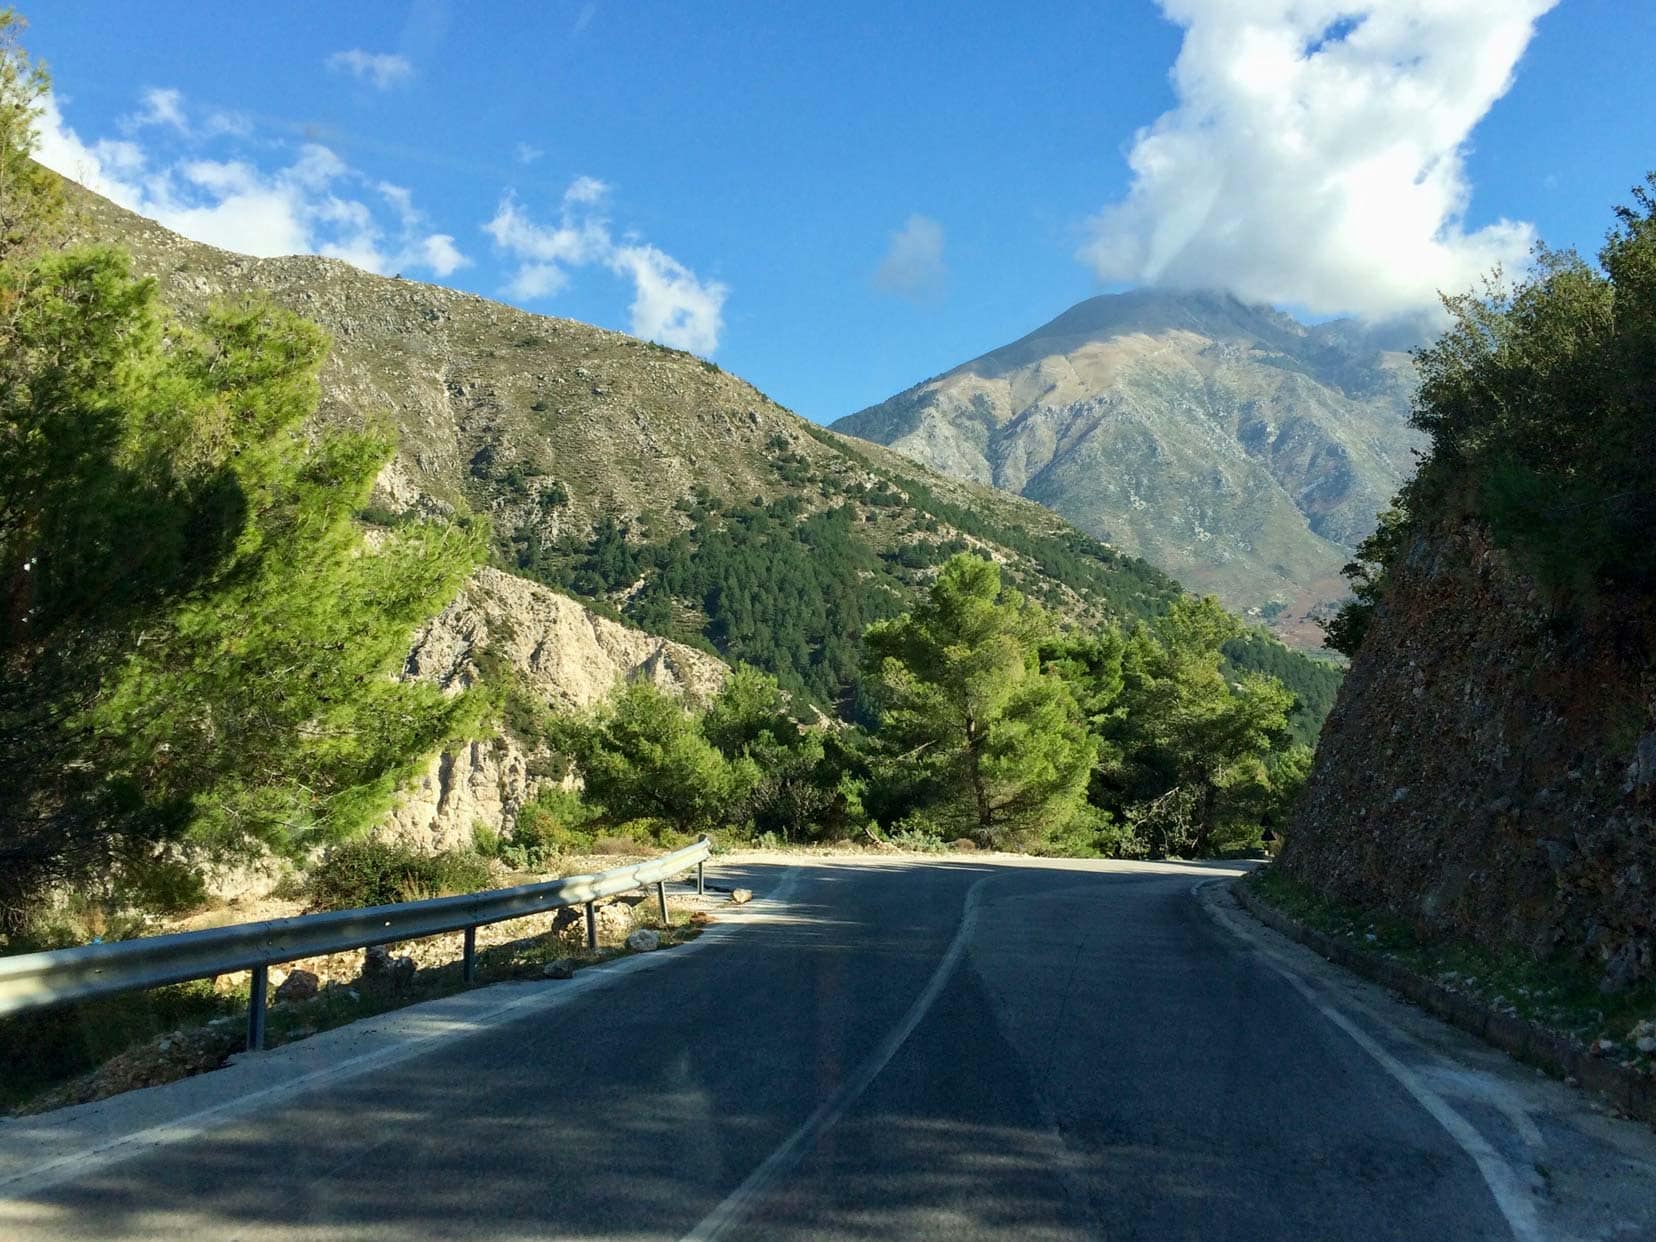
{"x": 1187, "y": 752}
{"x": 29, "y": 199}
{"x": 988, "y": 723}
{"x": 1540, "y": 406}
{"x": 197, "y": 647}
{"x": 643, "y": 756}
{"x": 962, "y": 694}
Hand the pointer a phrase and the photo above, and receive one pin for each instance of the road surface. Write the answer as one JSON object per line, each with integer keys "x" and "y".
{"x": 959, "y": 1049}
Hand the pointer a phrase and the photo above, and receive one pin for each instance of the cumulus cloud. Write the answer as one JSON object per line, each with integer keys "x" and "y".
{"x": 913, "y": 263}
{"x": 1317, "y": 154}
{"x": 314, "y": 204}
{"x": 381, "y": 70}
{"x": 671, "y": 304}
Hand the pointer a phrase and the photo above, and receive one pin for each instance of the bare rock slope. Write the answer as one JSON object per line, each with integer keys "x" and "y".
{"x": 1243, "y": 452}
{"x": 564, "y": 654}
{"x": 1489, "y": 769}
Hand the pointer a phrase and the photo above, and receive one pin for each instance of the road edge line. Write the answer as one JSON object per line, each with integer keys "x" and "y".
{"x": 1512, "y": 1197}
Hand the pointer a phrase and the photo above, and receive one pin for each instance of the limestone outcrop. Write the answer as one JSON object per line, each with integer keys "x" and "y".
{"x": 564, "y": 654}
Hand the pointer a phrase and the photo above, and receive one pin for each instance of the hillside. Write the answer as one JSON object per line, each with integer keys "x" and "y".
{"x": 650, "y": 483}
{"x": 1241, "y": 451}
{"x": 576, "y": 441}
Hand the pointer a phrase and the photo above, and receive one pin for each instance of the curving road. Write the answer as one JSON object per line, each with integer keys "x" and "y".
{"x": 961, "y": 1050}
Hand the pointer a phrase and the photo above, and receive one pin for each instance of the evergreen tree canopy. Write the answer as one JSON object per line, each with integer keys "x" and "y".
{"x": 1541, "y": 411}
{"x": 961, "y": 692}
{"x": 197, "y": 647}
{"x": 643, "y": 756}
{"x": 1187, "y": 752}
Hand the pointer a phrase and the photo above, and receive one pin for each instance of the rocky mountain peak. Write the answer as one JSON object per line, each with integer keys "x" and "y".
{"x": 1244, "y": 451}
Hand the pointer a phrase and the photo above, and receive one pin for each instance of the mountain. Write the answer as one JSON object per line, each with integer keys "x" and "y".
{"x": 1243, "y": 452}
{"x": 662, "y": 494}
{"x": 643, "y": 480}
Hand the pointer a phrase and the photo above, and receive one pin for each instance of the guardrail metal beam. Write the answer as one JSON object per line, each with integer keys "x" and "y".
{"x": 59, "y": 976}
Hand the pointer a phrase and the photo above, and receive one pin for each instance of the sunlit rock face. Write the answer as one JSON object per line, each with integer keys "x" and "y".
{"x": 563, "y": 654}
{"x": 1245, "y": 453}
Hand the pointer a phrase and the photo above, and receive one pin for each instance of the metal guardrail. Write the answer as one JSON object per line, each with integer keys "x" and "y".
{"x": 58, "y": 976}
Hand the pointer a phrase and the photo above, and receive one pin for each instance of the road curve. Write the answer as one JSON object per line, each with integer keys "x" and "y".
{"x": 961, "y": 1050}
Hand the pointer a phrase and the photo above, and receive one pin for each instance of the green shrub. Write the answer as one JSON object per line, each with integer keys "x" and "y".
{"x": 46, "y": 1048}
{"x": 923, "y": 832}
{"x": 554, "y": 823}
{"x": 164, "y": 886}
{"x": 379, "y": 873}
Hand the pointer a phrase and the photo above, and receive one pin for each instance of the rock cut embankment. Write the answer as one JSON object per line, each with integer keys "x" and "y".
{"x": 1489, "y": 770}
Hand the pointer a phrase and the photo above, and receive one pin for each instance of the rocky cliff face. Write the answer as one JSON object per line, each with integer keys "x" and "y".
{"x": 564, "y": 654}
{"x": 1490, "y": 769}
{"x": 1243, "y": 452}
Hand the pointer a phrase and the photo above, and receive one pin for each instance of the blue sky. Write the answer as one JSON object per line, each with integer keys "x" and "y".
{"x": 837, "y": 201}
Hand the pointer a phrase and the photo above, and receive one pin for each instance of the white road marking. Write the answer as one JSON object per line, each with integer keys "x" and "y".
{"x": 425, "y": 1030}
{"x": 793, "y": 1150}
{"x": 1511, "y": 1194}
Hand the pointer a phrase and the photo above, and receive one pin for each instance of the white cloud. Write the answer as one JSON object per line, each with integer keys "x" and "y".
{"x": 671, "y": 304}
{"x": 162, "y": 106}
{"x": 527, "y": 154}
{"x": 913, "y": 264}
{"x": 586, "y": 191}
{"x": 382, "y": 70}
{"x": 311, "y": 205}
{"x": 1317, "y": 154}
{"x": 576, "y": 239}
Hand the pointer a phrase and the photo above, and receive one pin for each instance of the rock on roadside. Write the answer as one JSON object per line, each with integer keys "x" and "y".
{"x": 300, "y": 985}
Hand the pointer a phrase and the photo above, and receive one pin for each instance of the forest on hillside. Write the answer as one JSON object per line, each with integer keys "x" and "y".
{"x": 988, "y": 725}
{"x": 791, "y": 591}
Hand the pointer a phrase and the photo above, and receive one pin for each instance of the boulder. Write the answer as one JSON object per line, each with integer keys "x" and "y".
{"x": 643, "y": 940}
{"x": 563, "y": 968}
{"x": 614, "y": 920}
{"x": 569, "y": 925}
{"x": 741, "y": 895}
{"x": 380, "y": 969}
{"x": 300, "y": 985}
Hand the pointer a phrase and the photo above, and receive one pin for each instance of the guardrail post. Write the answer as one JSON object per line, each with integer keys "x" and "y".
{"x": 701, "y": 887}
{"x": 256, "y": 1009}
{"x": 661, "y": 897}
{"x": 592, "y": 927}
{"x": 468, "y": 963}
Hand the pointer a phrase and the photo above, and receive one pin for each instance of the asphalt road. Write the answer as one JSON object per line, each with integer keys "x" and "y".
{"x": 956, "y": 1050}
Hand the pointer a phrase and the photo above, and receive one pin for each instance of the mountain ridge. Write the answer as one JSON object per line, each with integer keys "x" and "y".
{"x": 1245, "y": 452}
{"x": 584, "y": 446}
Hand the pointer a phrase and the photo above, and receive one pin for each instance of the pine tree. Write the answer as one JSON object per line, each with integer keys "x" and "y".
{"x": 1187, "y": 754}
{"x": 197, "y": 646}
{"x": 962, "y": 696}
{"x": 643, "y": 756}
